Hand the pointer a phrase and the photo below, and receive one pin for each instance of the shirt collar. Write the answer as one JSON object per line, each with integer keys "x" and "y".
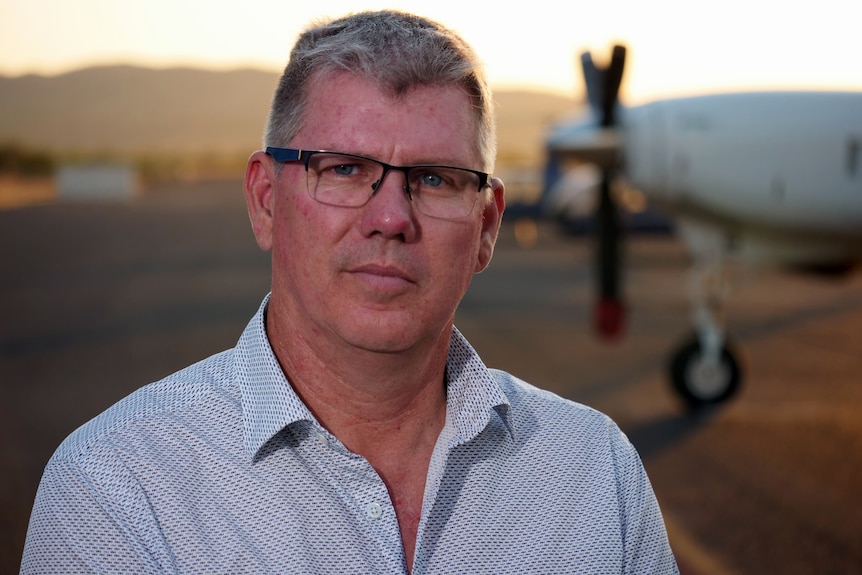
{"x": 472, "y": 392}
{"x": 269, "y": 403}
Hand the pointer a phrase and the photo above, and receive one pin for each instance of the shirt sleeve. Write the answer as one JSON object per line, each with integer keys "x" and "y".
{"x": 81, "y": 524}
{"x": 645, "y": 542}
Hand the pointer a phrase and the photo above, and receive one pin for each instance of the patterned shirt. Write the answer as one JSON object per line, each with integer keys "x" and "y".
{"x": 221, "y": 468}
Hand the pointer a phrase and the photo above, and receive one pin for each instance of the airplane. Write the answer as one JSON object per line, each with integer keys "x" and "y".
{"x": 760, "y": 177}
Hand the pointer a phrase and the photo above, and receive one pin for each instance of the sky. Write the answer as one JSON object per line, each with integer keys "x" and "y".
{"x": 676, "y": 47}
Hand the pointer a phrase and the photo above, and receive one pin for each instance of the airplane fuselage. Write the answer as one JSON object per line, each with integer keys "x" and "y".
{"x": 783, "y": 169}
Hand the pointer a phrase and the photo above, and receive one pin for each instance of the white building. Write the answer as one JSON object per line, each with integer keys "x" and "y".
{"x": 96, "y": 182}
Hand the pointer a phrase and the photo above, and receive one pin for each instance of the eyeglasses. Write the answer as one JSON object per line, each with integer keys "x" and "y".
{"x": 349, "y": 181}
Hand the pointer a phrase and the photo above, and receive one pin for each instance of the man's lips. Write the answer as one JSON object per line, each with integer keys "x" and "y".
{"x": 383, "y": 277}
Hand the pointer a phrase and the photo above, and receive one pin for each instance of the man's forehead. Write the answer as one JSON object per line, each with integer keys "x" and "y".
{"x": 346, "y": 108}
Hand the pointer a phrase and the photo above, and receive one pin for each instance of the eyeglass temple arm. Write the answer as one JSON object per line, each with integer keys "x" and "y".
{"x": 284, "y": 154}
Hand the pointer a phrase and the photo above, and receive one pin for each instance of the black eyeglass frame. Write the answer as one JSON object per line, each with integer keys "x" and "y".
{"x": 284, "y": 155}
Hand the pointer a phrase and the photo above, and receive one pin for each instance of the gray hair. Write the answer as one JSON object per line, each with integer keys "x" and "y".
{"x": 396, "y": 50}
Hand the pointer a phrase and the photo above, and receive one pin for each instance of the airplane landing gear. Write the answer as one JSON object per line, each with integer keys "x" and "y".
{"x": 701, "y": 380}
{"x": 704, "y": 371}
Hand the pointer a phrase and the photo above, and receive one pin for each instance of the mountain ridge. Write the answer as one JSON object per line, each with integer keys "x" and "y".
{"x": 131, "y": 109}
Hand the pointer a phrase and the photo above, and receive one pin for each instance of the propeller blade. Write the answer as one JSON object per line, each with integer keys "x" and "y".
{"x": 609, "y": 314}
{"x": 603, "y": 86}
{"x": 593, "y": 82}
{"x": 613, "y": 77}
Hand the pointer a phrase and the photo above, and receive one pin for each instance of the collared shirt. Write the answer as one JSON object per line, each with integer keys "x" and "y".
{"x": 221, "y": 468}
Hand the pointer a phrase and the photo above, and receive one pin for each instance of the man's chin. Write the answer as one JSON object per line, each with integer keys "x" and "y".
{"x": 389, "y": 333}
{"x": 381, "y": 343}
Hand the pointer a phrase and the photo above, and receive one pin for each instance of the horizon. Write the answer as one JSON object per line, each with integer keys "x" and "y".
{"x": 578, "y": 96}
{"x": 203, "y": 67}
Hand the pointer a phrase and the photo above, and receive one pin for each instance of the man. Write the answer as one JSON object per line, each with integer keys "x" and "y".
{"x": 353, "y": 429}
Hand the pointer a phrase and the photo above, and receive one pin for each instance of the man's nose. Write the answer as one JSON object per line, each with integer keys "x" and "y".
{"x": 390, "y": 211}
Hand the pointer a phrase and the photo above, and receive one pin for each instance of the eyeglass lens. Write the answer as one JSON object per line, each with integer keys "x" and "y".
{"x": 350, "y": 181}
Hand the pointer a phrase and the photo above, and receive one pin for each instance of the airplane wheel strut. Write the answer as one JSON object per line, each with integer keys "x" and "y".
{"x": 701, "y": 383}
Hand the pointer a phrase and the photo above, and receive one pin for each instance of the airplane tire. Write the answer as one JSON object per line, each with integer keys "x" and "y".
{"x": 703, "y": 386}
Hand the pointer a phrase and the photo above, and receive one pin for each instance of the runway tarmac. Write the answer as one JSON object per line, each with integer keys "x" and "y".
{"x": 99, "y": 299}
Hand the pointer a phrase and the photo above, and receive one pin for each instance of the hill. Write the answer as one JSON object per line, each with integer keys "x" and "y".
{"x": 131, "y": 109}
{"x": 134, "y": 110}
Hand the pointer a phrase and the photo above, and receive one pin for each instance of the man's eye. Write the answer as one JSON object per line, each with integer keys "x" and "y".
{"x": 431, "y": 179}
{"x": 344, "y": 169}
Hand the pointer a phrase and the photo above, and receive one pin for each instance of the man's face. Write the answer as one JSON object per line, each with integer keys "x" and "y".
{"x": 382, "y": 277}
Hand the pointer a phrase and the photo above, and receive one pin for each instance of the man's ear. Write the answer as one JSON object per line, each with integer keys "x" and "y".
{"x": 492, "y": 217}
{"x": 260, "y": 196}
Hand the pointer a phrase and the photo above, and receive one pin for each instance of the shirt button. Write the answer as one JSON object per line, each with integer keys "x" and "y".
{"x": 322, "y": 439}
{"x": 373, "y": 511}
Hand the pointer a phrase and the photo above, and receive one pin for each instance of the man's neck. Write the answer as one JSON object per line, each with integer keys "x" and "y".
{"x": 373, "y": 402}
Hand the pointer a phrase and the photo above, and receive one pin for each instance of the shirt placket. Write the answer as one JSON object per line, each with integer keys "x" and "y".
{"x": 363, "y": 491}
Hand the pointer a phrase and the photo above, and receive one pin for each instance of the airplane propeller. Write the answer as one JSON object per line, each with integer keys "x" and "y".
{"x": 603, "y": 85}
